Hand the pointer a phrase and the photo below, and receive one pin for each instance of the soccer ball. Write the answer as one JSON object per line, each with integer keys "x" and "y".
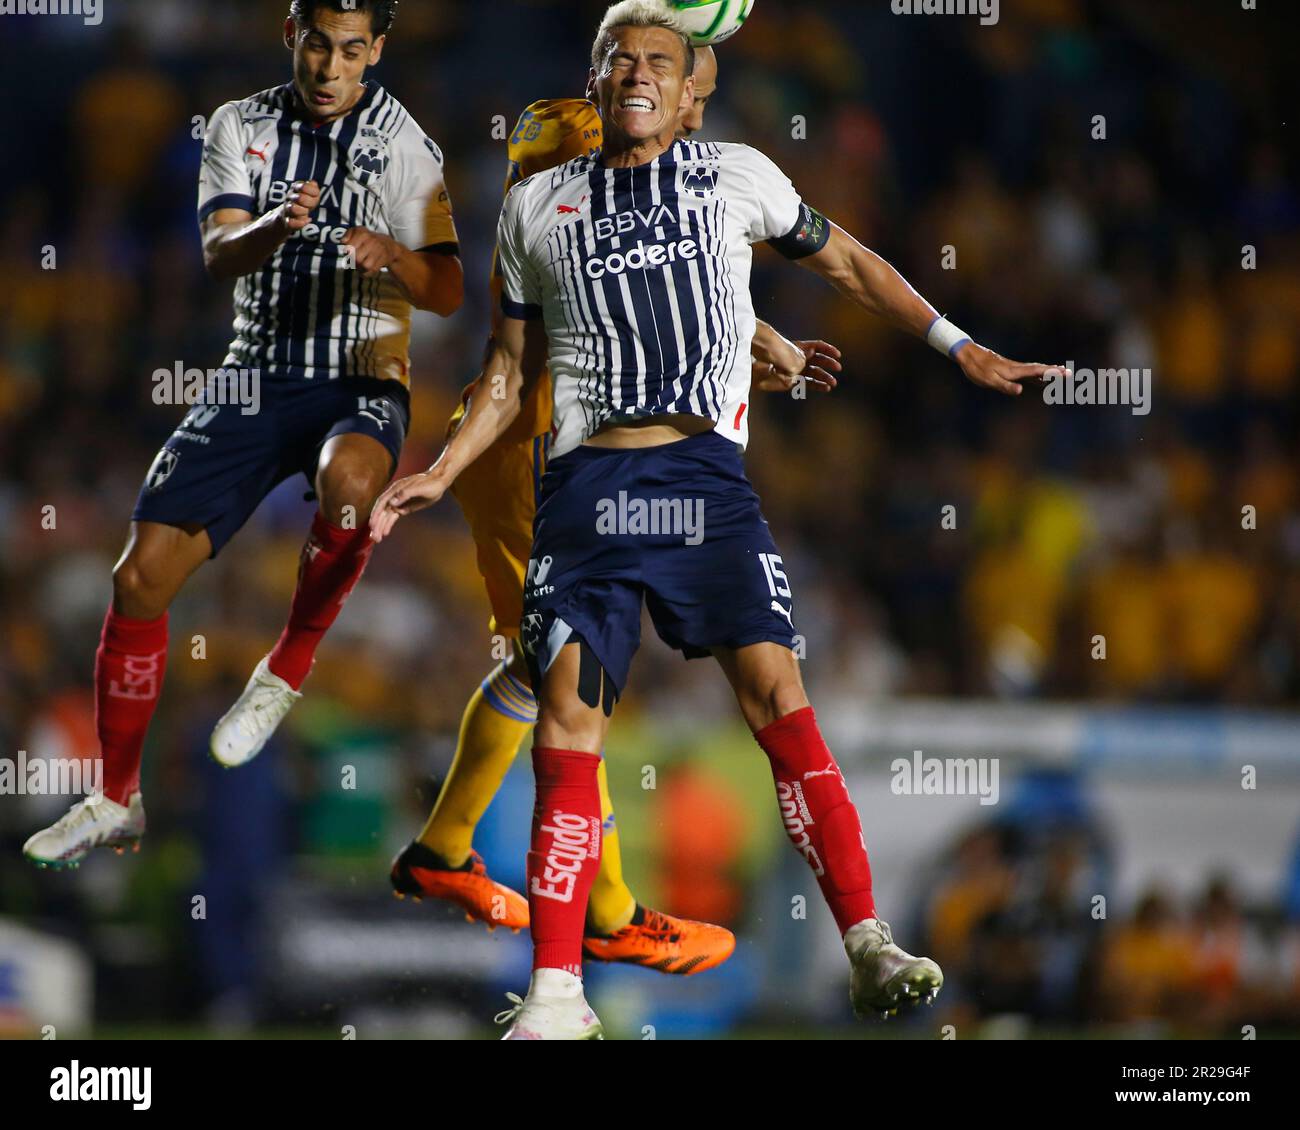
{"x": 711, "y": 21}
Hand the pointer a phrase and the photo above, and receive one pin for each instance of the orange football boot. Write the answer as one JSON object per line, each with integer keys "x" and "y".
{"x": 420, "y": 872}
{"x": 659, "y": 941}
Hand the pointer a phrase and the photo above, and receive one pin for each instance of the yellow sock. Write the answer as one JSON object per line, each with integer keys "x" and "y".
{"x": 496, "y": 721}
{"x": 612, "y": 904}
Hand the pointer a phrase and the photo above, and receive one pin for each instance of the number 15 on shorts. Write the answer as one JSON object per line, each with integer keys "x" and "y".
{"x": 777, "y": 581}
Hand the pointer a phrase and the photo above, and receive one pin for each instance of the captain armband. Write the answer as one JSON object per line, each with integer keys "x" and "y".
{"x": 809, "y": 235}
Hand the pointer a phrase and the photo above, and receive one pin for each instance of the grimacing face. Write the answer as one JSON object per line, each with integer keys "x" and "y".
{"x": 330, "y": 57}
{"x": 642, "y": 88}
{"x": 706, "y": 84}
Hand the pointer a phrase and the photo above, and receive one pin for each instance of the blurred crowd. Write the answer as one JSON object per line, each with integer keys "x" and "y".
{"x": 968, "y": 156}
{"x": 1019, "y": 954}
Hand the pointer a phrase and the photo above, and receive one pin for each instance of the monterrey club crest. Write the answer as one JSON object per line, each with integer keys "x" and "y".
{"x": 701, "y": 180}
{"x": 370, "y": 157}
{"x": 162, "y": 469}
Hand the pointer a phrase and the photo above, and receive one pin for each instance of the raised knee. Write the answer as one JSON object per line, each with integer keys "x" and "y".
{"x": 140, "y": 579}
{"x": 347, "y": 496}
{"x": 569, "y": 727}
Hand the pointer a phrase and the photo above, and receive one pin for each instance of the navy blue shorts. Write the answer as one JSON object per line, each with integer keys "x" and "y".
{"x": 216, "y": 468}
{"x": 679, "y": 525}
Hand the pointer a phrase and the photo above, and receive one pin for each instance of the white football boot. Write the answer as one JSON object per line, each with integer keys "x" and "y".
{"x": 882, "y": 975}
{"x": 67, "y": 841}
{"x": 248, "y": 725}
{"x": 555, "y": 1009}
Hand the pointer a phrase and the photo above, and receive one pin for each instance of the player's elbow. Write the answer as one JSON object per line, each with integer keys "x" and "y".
{"x": 446, "y": 295}
{"x": 445, "y": 305}
{"x": 218, "y": 266}
{"x": 442, "y": 305}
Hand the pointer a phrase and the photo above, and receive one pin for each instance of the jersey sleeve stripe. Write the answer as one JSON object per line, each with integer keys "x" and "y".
{"x": 524, "y": 311}
{"x": 228, "y": 200}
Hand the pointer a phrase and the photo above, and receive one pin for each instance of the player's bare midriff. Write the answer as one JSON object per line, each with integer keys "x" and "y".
{"x": 653, "y": 431}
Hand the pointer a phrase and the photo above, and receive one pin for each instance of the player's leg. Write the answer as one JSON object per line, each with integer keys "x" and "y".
{"x": 823, "y": 824}
{"x": 722, "y": 590}
{"x": 132, "y": 654}
{"x": 620, "y": 929}
{"x": 611, "y": 906}
{"x": 497, "y": 494}
{"x": 356, "y": 458}
{"x": 129, "y": 667}
{"x": 496, "y": 721}
{"x": 441, "y": 862}
{"x": 205, "y": 482}
{"x": 498, "y": 497}
{"x": 581, "y": 627}
{"x": 574, "y": 707}
{"x": 352, "y": 472}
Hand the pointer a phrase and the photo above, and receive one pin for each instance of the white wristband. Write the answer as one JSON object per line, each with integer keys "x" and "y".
{"x": 945, "y": 337}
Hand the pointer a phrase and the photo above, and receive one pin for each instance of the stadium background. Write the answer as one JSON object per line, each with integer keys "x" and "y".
{"x": 1120, "y": 777}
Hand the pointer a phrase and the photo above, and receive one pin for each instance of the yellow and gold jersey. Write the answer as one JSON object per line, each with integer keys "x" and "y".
{"x": 548, "y": 133}
{"x": 498, "y": 491}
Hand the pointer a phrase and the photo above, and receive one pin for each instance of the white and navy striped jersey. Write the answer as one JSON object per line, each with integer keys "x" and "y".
{"x": 305, "y": 314}
{"x": 642, "y": 277}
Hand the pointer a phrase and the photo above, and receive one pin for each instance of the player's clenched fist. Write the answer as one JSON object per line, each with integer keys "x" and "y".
{"x": 371, "y": 251}
{"x": 295, "y": 212}
{"x": 403, "y": 497}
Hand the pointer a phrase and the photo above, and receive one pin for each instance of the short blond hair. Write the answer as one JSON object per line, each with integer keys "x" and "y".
{"x": 639, "y": 13}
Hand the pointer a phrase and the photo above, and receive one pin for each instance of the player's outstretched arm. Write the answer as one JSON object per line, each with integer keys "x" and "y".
{"x": 515, "y": 360}
{"x": 780, "y": 362}
{"x": 235, "y": 244}
{"x": 864, "y": 277}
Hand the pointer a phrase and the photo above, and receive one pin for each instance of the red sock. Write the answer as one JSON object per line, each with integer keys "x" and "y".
{"x": 129, "y": 668}
{"x": 332, "y": 562}
{"x": 818, "y": 814}
{"x": 565, "y": 855}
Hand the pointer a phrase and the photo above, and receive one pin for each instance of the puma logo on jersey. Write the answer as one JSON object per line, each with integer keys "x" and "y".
{"x": 781, "y": 609}
{"x": 251, "y": 152}
{"x": 570, "y": 210}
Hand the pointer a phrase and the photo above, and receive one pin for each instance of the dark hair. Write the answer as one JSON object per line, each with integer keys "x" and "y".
{"x": 382, "y": 12}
